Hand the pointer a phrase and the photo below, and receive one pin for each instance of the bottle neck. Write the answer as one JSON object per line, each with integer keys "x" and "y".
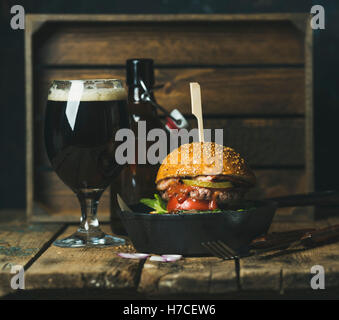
{"x": 142, "y": 110}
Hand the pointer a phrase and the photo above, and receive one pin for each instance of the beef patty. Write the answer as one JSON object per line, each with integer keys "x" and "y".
{"x": 200, "y": 193}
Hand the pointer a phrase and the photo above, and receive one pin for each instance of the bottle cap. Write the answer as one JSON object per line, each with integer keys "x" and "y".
{"x": 139, "y": 69}
{"x": 179, "y": 123}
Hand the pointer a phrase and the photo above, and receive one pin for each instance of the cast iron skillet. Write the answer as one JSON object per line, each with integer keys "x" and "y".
{"x": 184, "y": 233}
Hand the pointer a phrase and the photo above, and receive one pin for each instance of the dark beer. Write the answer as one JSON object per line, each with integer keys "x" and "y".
{"x": 81, "y": 120}
{"x": 80, "y": 144}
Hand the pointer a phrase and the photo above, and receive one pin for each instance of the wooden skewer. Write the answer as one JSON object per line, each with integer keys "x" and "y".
{"x": 196, "y": 108}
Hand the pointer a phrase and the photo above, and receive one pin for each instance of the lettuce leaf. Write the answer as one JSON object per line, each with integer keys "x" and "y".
{"x": 157, "y": 204}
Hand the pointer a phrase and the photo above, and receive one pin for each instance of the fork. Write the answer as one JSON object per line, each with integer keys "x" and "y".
{"x": 220, "y": 249}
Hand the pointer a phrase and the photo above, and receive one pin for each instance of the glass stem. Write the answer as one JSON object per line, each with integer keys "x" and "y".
{"x": 89, "y": 203}
{"x": 89, "y": 233}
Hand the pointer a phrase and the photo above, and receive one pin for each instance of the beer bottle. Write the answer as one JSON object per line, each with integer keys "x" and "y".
{"x": 137, "y": 181}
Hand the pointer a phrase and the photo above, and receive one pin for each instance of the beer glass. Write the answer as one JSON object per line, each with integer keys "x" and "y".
{"x": 81, "y": 120}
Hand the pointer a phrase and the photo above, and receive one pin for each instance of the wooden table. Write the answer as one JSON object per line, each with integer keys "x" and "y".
{"x": 52, "y": 272}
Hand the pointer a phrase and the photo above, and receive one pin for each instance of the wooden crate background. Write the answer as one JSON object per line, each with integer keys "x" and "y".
{"x": 254, "y": 71}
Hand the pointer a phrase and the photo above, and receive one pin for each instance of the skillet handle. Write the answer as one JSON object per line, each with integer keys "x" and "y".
{"x": 328, "y": 198}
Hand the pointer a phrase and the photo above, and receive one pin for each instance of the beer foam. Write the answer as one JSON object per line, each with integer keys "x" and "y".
{"x": 60, "y": 91}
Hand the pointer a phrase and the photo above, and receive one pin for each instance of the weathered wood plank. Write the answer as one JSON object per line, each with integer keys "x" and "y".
{"x": 275, "y": 183}
{"x": 229, "y": 42}
{"x": 334, "y": 220}
{"x": 257, "y": 139}
{"x": 38, "y": 19}
{"x": 235, "y": 91}
{"x": 60, "y": 268}
{"x": 19, "y": 244}
{"x": 100, "y": 268}
{"x": 290, "y": 270}
{"x": 188, "y": 276}
{"x": 297, "y": 271}
{"x": 224, "y": 91}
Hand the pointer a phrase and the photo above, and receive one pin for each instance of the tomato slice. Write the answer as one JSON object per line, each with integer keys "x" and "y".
{"x": 191, "y": 204}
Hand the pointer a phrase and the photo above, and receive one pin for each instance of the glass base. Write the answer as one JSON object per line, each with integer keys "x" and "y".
{"x": 83, "y": 239}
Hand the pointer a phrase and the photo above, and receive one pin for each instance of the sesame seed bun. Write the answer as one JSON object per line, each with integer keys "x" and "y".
{"x": 205, "y": 159}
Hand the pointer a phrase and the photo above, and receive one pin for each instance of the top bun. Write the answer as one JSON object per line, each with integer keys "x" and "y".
{"x": 204, "y": 159}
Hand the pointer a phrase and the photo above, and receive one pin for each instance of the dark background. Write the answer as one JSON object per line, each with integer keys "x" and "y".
{"x": 12, "y": 83}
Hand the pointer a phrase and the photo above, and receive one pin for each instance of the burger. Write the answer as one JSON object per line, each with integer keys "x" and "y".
{"x": 201, "y": 177}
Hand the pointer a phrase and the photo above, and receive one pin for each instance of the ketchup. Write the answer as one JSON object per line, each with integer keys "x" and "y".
{"x": 180, "y": 191}
{"x": 179, "y": 199}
